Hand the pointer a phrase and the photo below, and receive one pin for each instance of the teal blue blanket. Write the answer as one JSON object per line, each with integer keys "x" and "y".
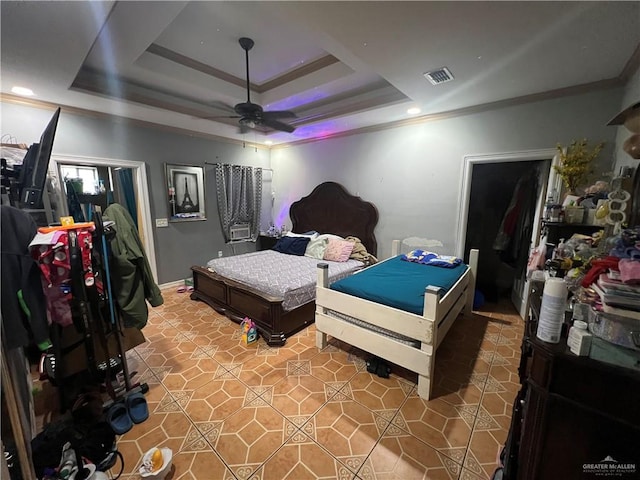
{"x": 399, "y": 284}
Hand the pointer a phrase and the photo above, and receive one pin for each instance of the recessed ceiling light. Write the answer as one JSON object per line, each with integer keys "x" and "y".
{"x": 27, "y": 92}
{"x": 268, "y": 142}
{"x": 413, "y": 111}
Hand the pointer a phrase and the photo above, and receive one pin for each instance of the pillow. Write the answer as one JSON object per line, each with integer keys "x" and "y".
{"x": 338, "y": 250}
{"x": 310, "y": 235}
{"x": 429, "y": 258}
{"x": 330, "y": 236}
{"x": 291, "y": 245}
{"x": 316, "y": 248}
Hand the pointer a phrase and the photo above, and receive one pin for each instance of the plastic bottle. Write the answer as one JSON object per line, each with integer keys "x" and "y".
{"x": 554, "y": 299}
{"x": 548, "y": 208}
{"x": 579, "y": 340}
{"x": 559, "y": 251}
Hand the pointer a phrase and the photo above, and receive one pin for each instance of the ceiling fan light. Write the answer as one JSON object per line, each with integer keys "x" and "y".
{"x": 247, "y": 122}
{"x": 251, "y": 114}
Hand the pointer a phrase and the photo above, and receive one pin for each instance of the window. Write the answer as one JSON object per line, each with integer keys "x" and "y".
{"x": 239, "y": 191}
{"x": 88, "y": 176}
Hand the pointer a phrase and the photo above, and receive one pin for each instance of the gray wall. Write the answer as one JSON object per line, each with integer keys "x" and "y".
{"x": 631, "y": 95}
{"x": 413, "y": 173}
{"x": 182, "y": 244}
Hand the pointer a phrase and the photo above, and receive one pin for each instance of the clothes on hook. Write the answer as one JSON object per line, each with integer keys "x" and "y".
{"x": 133, "y": 281}
{"x": 51, "y": 252}
{"x": 512, "y": 240}
{"x": 23, "y": 306}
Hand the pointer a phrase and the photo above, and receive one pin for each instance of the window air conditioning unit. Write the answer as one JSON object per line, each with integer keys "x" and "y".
{"x": 240, "y": 231}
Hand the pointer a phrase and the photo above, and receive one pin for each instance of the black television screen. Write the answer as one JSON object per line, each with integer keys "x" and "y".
{"x": 33, "y": 174}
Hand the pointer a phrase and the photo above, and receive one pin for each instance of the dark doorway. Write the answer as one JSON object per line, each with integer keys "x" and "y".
{"x": 502, "y": 207}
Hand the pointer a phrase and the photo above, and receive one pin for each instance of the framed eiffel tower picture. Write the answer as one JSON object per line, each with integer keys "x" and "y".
{"x": 185, "y": 190}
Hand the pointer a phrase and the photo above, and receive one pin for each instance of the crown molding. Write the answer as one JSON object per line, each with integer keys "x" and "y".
{"x": 29, "y": 102}
{"x": 632, "y": 65}
{"x": 116, "y": 87}
{"x": 510, "y": 102}
{"x": 549, "y": 95}
{"x": 290, "y": 76}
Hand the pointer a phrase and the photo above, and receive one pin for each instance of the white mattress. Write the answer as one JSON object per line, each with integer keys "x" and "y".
{"x": 289, "y": 277}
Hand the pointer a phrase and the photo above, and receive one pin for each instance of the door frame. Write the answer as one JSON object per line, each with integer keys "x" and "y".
{"x": 465, "y": 193}
{"x": 141, "y": 182}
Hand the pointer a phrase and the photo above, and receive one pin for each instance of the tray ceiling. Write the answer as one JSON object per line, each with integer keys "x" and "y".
{"x": 339, "y": 66}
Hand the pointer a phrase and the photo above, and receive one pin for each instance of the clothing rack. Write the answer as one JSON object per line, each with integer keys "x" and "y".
{"x": 96, "y": 316}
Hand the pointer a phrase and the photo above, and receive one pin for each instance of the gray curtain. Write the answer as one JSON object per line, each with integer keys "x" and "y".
{"x": 239, "y": 191}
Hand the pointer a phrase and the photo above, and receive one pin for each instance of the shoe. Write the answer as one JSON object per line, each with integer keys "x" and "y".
{"x": 383, "y": 370}
{"x": 372, "y": 365}
{"x": 119, "y": 419}
{"x": 379, "y": 367}
{"x": 137, "y": 407}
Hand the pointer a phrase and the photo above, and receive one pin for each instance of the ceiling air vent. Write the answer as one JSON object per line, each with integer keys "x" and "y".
{"x": 441, "y": 75}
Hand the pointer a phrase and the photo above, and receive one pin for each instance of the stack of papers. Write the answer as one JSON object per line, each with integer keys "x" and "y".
{"x": 618, "y": 298}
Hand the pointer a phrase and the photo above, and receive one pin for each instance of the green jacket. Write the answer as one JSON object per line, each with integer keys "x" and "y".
{"x": 131, "y": 277}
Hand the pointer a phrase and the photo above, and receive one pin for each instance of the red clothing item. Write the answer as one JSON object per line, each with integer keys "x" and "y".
{"x": 601, "y": 265}
{"x": 55, "y": 266}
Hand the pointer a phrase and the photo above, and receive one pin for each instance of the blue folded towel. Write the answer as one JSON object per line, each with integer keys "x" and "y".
{"x": 429, "y": 258}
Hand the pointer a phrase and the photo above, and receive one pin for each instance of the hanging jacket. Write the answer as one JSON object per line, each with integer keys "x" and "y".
{"x": 21, "y": 282}
{"x": 131, "y": 275}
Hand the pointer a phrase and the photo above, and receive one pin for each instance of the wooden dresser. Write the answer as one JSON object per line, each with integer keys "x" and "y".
{"x": 571, "y": 412}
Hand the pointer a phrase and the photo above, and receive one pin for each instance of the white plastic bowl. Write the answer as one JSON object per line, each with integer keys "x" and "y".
{"x": 167, "y": 456}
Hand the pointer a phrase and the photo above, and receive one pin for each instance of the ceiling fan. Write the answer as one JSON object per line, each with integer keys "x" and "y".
{"x": 251, "y": 115}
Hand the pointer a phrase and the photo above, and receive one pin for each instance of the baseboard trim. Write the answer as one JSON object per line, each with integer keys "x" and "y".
{"x": 177, "y": 283}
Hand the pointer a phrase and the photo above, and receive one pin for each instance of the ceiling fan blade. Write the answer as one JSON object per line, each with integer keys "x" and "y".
{"x": 276, "y": 125}
{"x": 274, "y": 114}
{"x": 251, "y": 114}
{"x": 218, "y": 117}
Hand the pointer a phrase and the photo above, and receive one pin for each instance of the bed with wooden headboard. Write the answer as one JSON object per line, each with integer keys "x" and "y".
{"x": 329, "y": 208}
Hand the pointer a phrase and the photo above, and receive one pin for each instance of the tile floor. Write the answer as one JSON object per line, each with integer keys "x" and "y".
{"x": 229, "y": 411}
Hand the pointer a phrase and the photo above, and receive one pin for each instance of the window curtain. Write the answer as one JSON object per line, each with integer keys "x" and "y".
{"x": 125, "y": 191}
{"x": 239, "y": 191}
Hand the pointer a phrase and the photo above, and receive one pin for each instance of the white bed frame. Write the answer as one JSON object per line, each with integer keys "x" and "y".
{"x": 429, "y": 329}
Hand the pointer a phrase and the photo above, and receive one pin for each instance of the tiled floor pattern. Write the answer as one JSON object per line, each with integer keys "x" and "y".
{"x": 230, "y": 411}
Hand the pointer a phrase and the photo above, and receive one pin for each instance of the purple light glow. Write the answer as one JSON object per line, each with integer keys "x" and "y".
{"x": 297, "y": 100}
{"x": 282, "y": 217}
{"x": 320, "y": 129}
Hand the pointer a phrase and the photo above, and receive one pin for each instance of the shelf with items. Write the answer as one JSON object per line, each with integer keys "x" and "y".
{"x": 558, "y": 230}
{"x": 564, "y": 396}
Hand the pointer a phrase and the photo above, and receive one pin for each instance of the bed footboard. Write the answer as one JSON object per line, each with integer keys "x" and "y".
{"x": 237, "y": 301}
{"x": 439, "y": 314}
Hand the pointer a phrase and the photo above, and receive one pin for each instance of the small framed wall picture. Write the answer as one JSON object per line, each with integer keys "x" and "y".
{"x": 185, "y": 190}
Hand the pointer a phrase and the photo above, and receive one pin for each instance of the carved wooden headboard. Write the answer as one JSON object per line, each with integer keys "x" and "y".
{"x": 331, "y": 209}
